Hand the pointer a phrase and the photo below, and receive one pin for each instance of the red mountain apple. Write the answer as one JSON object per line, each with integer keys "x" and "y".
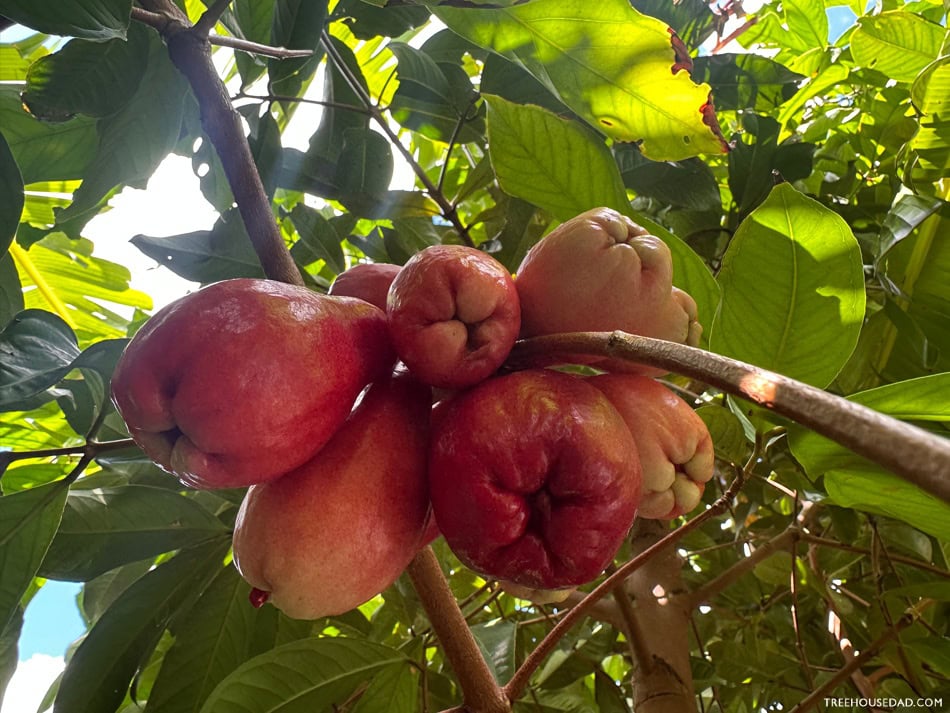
{"x": 534, "y": 479}
{"x": 244, "y": 380}
{"x": 368, "y": 281}
{"x": 332, "y": 534}
{"x": 601, "y": 272}
{"x": 676, "y": 450}
{"x": 453, "y": 315}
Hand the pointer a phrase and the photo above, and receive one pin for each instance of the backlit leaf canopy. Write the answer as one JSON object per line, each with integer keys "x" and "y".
{"x": 610, "y": 64}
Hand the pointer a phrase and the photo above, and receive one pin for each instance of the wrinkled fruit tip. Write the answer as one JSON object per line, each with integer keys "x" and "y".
{"x": 258, "y": 597}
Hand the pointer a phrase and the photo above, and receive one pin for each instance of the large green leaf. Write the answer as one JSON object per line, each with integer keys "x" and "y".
{"x": 214, "y": 638}
{"x": 92, "y": 78}
{"x": 747, "y": 80}
{"x": 612, "y": 65}
{"x": 155, "y": 111}
{"x": 297, "y": 24}
{"x": 45, "y": 152}
{"x": 38, "y": 350}
{"x": 854, "y": 482}
{"x": 93, "y": 20}
{"x": 28, "y": 521}
{"x": 104, "y": 528}
{"x": 564, "y": 168}
{"x": 11, "y": 188}
{"x": 792, "y": 290}
{"x": 898, "y": 44}
{"x": 101, "y": 669}
{"x": 11, "y": 294}
{"x": 9, "y": 650}
{"x": 303, "y": 676}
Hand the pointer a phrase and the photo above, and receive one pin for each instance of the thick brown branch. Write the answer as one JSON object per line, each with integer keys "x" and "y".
{"x": 191, "y": 53}
{"x": 915, "y": 455}
{"x": 482, "y": 694}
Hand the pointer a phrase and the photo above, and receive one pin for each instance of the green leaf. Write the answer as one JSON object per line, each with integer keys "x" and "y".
{"x": 688, "y": 184}
{"x": 297, "y": 24}
{"x": 393, "y": 690}
{"x": 303, "y": 676}
{"x": 210, "y": 642}
{"x": 612, "y": 65}
{"x": 97, "y": 20}
{"x": 898, "y": 44}
{"x": 92, "y": 78}
{"x": 99, "y": 594}
{"x": 852, "y": 481}
{"x": 104, "y": 528}
{"x": 155, "y": 111}
{"x": 498, "y": 643}
{"x": 366, "y": 21}
{"x": 318, "y": 239}
{"x": 365, "y": 166}
{"x": 9, "y": 650}
{"x": 45, "y": 152}
{"x": 206, "y": 255}
{"x": 11, "y": 188}
{"x": 740, "y": 81}
{"x": 931, "y": 88}
{"x": 254, "y": 19}
{"x": 28, "y": 521}
{"x": 38, "y": 350}
{"x": 579, "y": 175}
{"x": 11, "y": 294}
{"x": 804, "y": 319}
{"x": 905, "y": 216}
{"x": 100, "y": 671}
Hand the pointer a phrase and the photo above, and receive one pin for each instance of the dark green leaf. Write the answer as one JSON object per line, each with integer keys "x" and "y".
{"x": 206, "y": 255}
{"x": 805, "y": 320}
{"x": 366, "y": 21}
{"x": 122, "y": 156}
{"x": 99, "y": 594}
{"x": 366, "y": 163}
{"x": 408, "y": 236}
{"x": 104, "y": 528}
{"x": 743, "y": 81}
{"x": 905, "y": 216}
{"x": 11, "y": 292}
{"x": 100, "y": 671}
{"x": 318, "y": 239}
{"x": 497, "y": 640}
{"x": 303, "y": 676}
{"x": 45, "y": 152}
{"x": 9, "y": 650}
{"x": 686, "y": 184}
{"x": 37, "y": 349}
{"x": 327, "y": 141}
{"x": 392, "y": 690}
{"x": 28, "y": 521}
{"x": 254, "y": 19}
{"x": 297, "y": 24}
{"x": 92, "y": 78}
{"x": 210, "y": 642}
{"x": 513, "y": 82}
{"x": 11, "y": 188}
{"x": 99, "y": 20}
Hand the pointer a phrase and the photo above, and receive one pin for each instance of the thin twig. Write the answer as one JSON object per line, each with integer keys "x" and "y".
{"x": 912, "y": 453}
{"x": 237, "y": 43}
{"x": 303, "y": 100}
{"x": 449, "y": 211}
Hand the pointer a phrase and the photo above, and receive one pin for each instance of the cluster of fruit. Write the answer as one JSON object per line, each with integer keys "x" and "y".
{"x": 534, "y": 477}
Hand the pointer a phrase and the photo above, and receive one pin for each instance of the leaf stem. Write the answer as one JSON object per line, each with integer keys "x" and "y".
{"x": 908, "y": 451}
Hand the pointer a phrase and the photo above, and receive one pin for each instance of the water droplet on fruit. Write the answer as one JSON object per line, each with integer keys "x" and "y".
{"x": 258, "y": 597}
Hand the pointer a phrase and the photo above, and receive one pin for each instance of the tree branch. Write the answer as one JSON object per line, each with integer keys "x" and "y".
{"x": 190, "y": 51}
{"x": 915, "y": 455}
{"x": 481, "y": 693}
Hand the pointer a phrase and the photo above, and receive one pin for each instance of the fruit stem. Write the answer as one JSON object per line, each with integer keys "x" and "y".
{"x": 481, "y": 692}
{"x": 912, "y": 453}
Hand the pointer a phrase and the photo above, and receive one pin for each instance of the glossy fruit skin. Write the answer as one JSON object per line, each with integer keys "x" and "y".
{"x": 676, "y": 450}
{"x": 341, "y": 528}
{"x": 367, "y": 281}
{"x": 534, "y": 479}
{"x": 453, "y": 315}
{"x": 602, "y": 272}
{"x": 244, "y": 380}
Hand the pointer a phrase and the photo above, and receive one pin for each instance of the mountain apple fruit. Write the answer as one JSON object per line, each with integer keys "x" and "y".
{"x": 335, "y": 532}
{"x": 369, "y": 281}
{"x": 534, "y": 479}
{"x": 453, "y": 315}
{"x": 601, "y": 272}
{"x": 676, "y": 450}
{"x": 244, "y": 380}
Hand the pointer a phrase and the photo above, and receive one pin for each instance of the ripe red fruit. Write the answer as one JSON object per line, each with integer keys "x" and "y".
{"x": 600, "y": 272}
{"x": 244, "y": 380}
{"x": 453, "y": 315}
{"x": 534, "y": 479}
{"x": 676, "y": 450}
{"x": 335, "y": 532}
{"x": 368, "y": 281}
